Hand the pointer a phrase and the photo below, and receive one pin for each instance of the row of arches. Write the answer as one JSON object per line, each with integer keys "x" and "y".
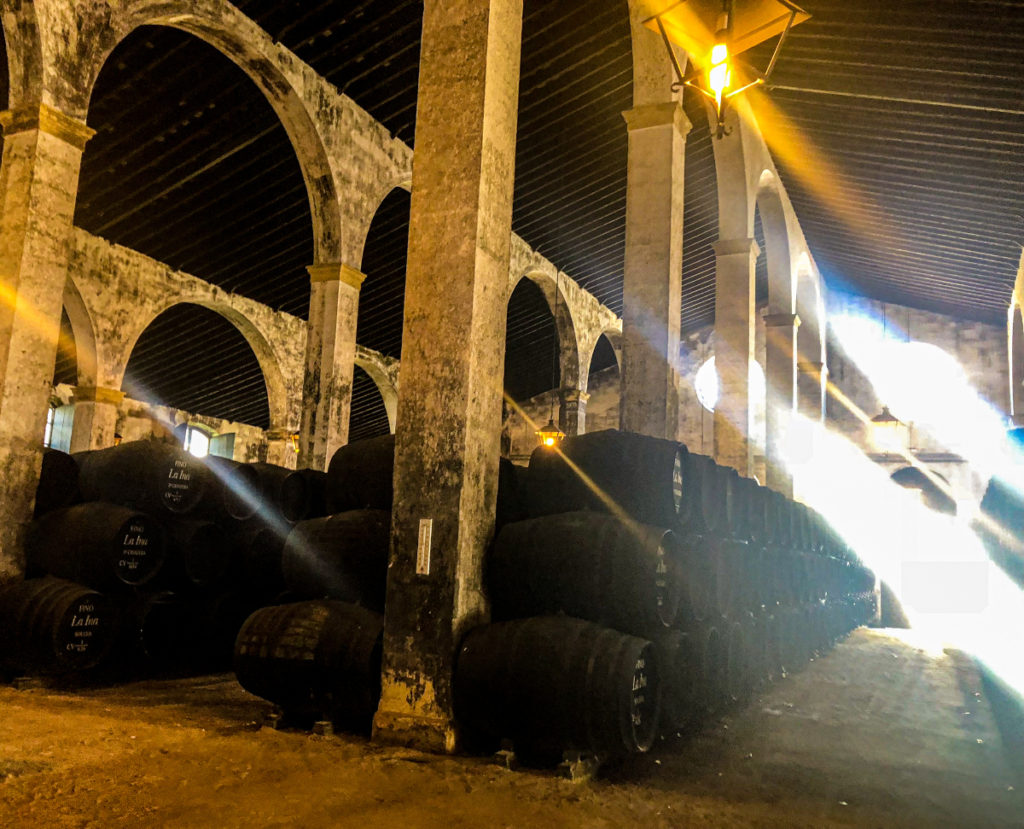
{"x": 287, "y": 89}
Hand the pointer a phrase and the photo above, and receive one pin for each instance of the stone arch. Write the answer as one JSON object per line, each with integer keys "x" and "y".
{"x": 276, "y": 73}
{"x": 810, "y": 307}
{"x": 552, "y": 286}
{"x": 614, "y": 338}
{"x": 273, "y": 376}
{"x": 84, "y": 329}
{"x": 1015, "y": 352}
{"x": 385, "y": 376}
{"x": 781, "y": 284}
{"x": 360, "y": 230}
{"x": 20, "y": 33}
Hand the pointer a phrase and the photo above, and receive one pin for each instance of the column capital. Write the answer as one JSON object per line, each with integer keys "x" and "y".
{"x": 336, "y": 272}
{"x": 571, "y": 395}
{"x": 97, "y": 394}
{"x": 669, "y": 113}
{"x": 782, "y": 320}
{"x": 49, "y": 120}
{"x": 279, "y": 433}
{"x": 811, "y": 367}
{"x": 736, "y": 247}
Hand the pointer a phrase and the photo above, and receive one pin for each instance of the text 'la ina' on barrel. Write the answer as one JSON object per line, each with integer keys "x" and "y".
{"x": 104, "y": 546}
{"x": 54, "y": 626}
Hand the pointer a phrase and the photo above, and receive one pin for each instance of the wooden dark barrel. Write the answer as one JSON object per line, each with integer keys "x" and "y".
{"x": 343, "y": 556}
{"x": 624, "y": 575}
{"x": 316, "y": 492}
{"x": 198, "y": 554}
{"x": 712, "y": 649}
{"x": 54, "y": 626}
{"x": 612, "y": 472}
{"x": 556, "y": 683}
{"x": 165, "y": 632}
{"x": 146, "y": 475}
{"x": 360, "y": 474}
{"x": 256, "y": 552}
{"x": 712, "y": 515}
{"x": 234, "y": 490}
{"x": 757, "y": 511}
{"x": 737, "y": 678}
{"x": 679, "y": 657}
{"x": 103, "y": 546}
{"x": 58, "y": 482}
{"x": 318, "y": 659}
{"x": 282, "y": 490}
{"x": 510, "y": 494}
{"x": 737, "y": 504}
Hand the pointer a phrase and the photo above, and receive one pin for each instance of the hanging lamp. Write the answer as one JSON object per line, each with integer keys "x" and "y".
{"x": 713, "y": 33}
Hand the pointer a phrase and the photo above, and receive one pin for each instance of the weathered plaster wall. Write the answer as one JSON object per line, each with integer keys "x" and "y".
{"x": 123, "y": 291}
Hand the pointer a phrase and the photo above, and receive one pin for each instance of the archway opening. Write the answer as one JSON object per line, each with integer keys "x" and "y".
{"x": 531, "y": 345}
{"x": 382, "y": 297}
{"x": 603, "y": 386}
{"x": 700, "y": 219}
{"x": 368, "y": 417}
{"x": 174, "y": 365}
{"x": 190, "y": 165}
{"x": 65, "y": 367}
{"x": 570, "y": 171}
{"x": 1017, "y": 363}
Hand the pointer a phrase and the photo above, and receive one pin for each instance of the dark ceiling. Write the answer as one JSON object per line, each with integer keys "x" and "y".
{"x": 915, "y": 108}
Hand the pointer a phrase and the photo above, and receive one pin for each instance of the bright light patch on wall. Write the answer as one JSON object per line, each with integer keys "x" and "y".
{"x": 706, "y": 383}
{"x": 934, "y": 563}
{"x": 923, "y": 385}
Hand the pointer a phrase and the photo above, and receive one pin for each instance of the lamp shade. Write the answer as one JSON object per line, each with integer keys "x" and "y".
{"x": 550, "y": 435}
{"x": 889, "y": 433}
{"x": 692, "y": 24}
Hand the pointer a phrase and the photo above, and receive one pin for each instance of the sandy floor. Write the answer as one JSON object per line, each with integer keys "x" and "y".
{"x": 878, "y": 734}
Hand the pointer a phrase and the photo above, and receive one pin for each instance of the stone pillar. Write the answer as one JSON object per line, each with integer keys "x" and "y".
{"x": 812, "y": 379}
{"x": 652, "y": 280}
{"x": 780, "y": 360}
{"x": 95, "y": 417}
{"x": 734, "y": 350}
{"x": 572, "y": 411}
{"x": 453, "y": 342}
{"x": 42, "y": 155}
{"x": 280, "y": 449}
{"x": 330, "y": 362}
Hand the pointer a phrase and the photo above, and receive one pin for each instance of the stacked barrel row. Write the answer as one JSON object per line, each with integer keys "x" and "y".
{"x": 659, "y": 587}
{"x": 316, "y": 652}
{"x": 144, "y": 558}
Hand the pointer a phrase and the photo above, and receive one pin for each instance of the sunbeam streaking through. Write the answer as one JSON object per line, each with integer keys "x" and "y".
{"x": 936, "y": 564}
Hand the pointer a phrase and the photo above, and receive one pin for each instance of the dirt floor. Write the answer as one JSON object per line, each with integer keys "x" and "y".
{"x": 879, "y": 734}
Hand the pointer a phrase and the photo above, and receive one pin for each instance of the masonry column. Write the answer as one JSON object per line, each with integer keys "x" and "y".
{"x": 280, "y": 450}
{"x": 652, "y": 282}
{"x": 811, "y": 385}
{"x": 734, "y": 350}
{"x": 330, "y": 362}
{"x": 95, "y": 417}
{"x": 780, "y": 360}
{"x": 42, "y": 156}
{"x": 572, "y": 411}
{"x": 453, "y": 342}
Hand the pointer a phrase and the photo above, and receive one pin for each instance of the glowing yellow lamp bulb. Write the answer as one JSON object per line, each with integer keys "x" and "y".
{"x": 549, "y": 441}
{"x": 718, "y": 75}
